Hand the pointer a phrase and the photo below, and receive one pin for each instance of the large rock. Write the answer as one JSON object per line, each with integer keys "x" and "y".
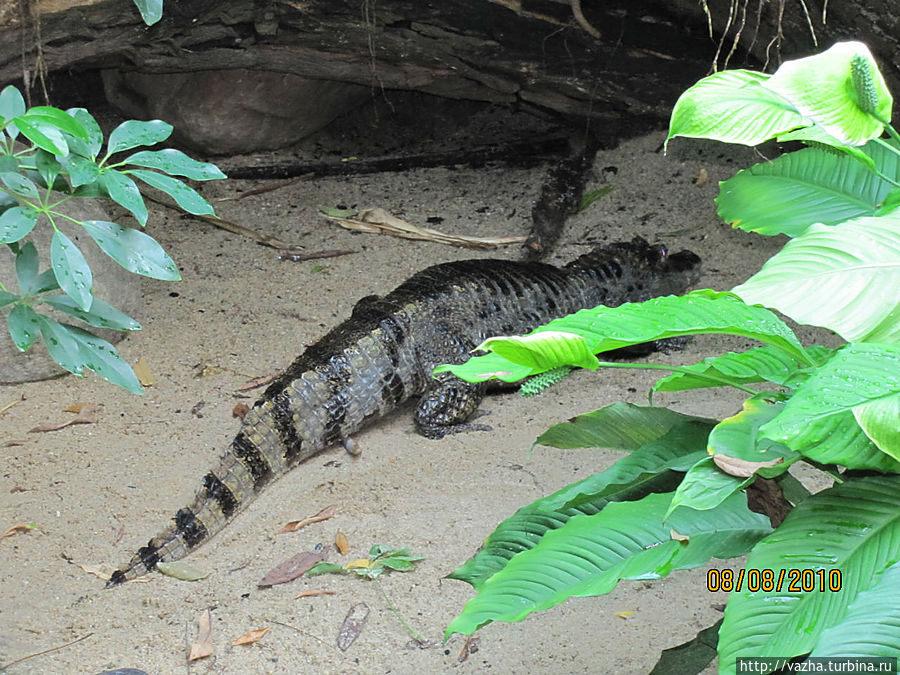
{"x": 111, "y": 282}
{"x": 228, "y": 112}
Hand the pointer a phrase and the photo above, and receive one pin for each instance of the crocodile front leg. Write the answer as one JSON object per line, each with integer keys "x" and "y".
{"x": 446, "y": 405}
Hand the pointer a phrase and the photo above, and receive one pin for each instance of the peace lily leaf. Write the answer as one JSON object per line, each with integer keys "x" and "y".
{"x": 836, "y": 279}
{"x": 101, "y": 315}
{"x": 135, "y": 251}
{"x": 542, "y": 351}
{"x": 16, "y": 223}
{"x": 71, "y": 270}
{"x": 838, "y": 439}
{"x": 606, "y": 328}
{"x": 732, "y": 106}
{"x": 871, "y": 626}
{"x": 880, "y": 419}
{"x": 589, "y": 554}
{"x": 797, "y": 189}
{"x": 821, "y": 88}
{"x": 124, "y": 192}
{"x": 705, "y": 487}
{"x": 133, "y": 133}
{"x": 76, "y": 349}
{"x": 176, "y": 163}
{"x": 853, "y": 528}
{"x": 187, "y": 197}
{"x": 757, "y": 364}
{"x": 813, "y": 135}
{"x": 24, "y": 326}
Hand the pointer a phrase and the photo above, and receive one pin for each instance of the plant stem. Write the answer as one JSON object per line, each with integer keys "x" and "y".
{"x": 409, "y": 629}
{"x": 678, "y": 369}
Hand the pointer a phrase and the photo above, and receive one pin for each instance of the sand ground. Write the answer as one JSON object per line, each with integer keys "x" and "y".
{"x": 96, "y": 492}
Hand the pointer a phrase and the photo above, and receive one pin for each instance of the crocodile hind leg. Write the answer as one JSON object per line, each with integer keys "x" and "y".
{"x": 446, "y": 405}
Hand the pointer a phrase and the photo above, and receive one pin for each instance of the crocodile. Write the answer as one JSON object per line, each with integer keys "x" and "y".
{"x": 384, "y": 354}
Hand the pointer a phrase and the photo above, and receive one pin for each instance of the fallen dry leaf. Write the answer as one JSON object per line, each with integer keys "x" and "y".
{"x": 624, "y": 614}
{"x": 240, "y": 410}
{"x": 13, "y": 443}
{"x": 470, "y": 646}
{"x": 143, "y": 372}
{"x": 295, "y": 525}
{"x": 358, "y": 564}
{"x": 702, "y": 178}
{"x": 378, "y": 220}
{"x": 74, "y": 408}
{"x": 251, "y": 637}
{"x": 353, "y": 625}
{"x": 7, "y": 406}
{"x": 311, "y": 593}
{"x": 341, "y": 543}
{"x": 202, "y": 646}
{"x": 181, "y": 570}
{"x": 678, "y": 537}
{"x": 294, "y": 255}
{"x": 293, "y": 567}
{"x": 16, "y": 529}
{"x": 741, "y": 468}
{"x": 103, "y": 570}
{"x": 256, "y": 382}
{"x": 86, "y": 414}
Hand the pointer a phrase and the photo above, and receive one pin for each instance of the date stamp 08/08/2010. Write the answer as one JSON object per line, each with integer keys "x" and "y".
{"x": 774, "y": 581}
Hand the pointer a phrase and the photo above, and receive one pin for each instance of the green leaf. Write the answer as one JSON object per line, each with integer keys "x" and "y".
{"x": 132, "y": 133}
{"x": 604, "y": 328}
{"x": 853, "y": 528}
{"x": 20, "y": 185}
{"x": 590, "y": 553}
{"x": 101, "y": 315}
{"x": 47, "y": 166}
{"x": 757, "y": 364}
{"x": 838, "y": 439}
{"x": 8, "y": 164}
{"x": 76, "y": 349}
{"x": 43, "y": 282}
{"x": 187, "y": 198}
{"x": 733, "y": 106}
{"x": 151, "y": 10}
{"x": 71, "y": 270}
{"x": 795, "y": 190}
{"x": 176, "y": 163}
{"x": 24, "y": 326}
{"x": 325, "y": 568}
{"x": 542, "y": 351}
{"x": 880, "y": 420}
{"x": 821, "y": 88}
{"x": 56, "y": 118}
{"x": 181, "y": 570}
{"x": 705, "y": 487}
{"x": 817, "y": 137}
{"x": 7, "y": 298}
{"x": 11, "y": 105}
{"x": 16, "y": 223}
{"x": 27, "y": 267}
{"x": 124, "y": 192}
{"x": 871, "y": 626}
{"x": 831, "y": 277}
{"x": 43, "y": 134}
{"x": 82, "y": 171}
{"x": 91, "y": 145}
{"x": 335, "y": 212}
{"x": 689, "y": 657}
{"x": 135, "y": 251}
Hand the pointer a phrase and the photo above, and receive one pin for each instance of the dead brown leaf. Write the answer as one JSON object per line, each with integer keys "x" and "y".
{"x": 16, "y": 529}
{"x": 240, "y": 410}
{"x": 341, "y": 543}
{"x": 13, "y": 443}
{"x": 311, "y": 593}
{"x": 251, "y": 637}
{"x": 86, "y": 414}
{"x": 470, "y": 646}
{"x": 378, "y": 220}
{"x": 15, "y": 401}
{"x": 256, "y": 382}
{"x": 741, "y": 468}
{"x": 295, "y": 525}
{"x": 102, "y": 571}
{"x": 294, "y": 255}
{"x": 678, "y": 537}
{"x": 353, "y": 625}
{"x": 702, "y": 178}
{"x": 143, "y": 372}
{"x": 202, "y": 646}
{"x": 74, "y": 408}
{"x": 292, "y": 568}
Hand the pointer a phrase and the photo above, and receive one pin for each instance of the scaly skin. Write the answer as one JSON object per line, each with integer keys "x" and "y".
{"x": 384, "y": 354}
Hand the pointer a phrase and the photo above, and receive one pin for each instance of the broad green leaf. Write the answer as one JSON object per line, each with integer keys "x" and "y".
{"x": 12, "y": 104}
{"x": 838, "y": 439}
{"x": 705, "y": 487}
{"x": 856, "y": 374}
{"x": 733, "y": 106}
{"x": 836, "y": 277}
{"x": 151, "y": 10}
{"x": 76, "y": 349}
{"x": 542, "y": 351}
{"x": 47, "y": 166}
{"x": 135, "y": 251}
{"x": 43, "y": 282}
{"x": 816, "y": 135}
{"x": 880, "y": 420}
{"x": 589, "y": 554}
{"x": 175, "y": 163}
{"x": 604, "y": 328}
{"x": 124, "y": 192}
{"x": 795, "y": 190}
{"x": 71, "y": 270}
{"x": 8, "y": 164}
{"x": 871, "y": 626}
{"x": 689, "y": 657}
{"x": 82, "y": 171}
{"x": 821, "y": 88}
{"x": 187, "y": 198}
{"x": 335, "y": 212}
{"x": 20, "y": 185}
{"x": 853, "y": 528}
{"x": 43, "y": 134}
{"x": 620, "y": 426}
{"x": 757, "y": 364}
{"x": 27, "y": 268}
{"x": 132, "y": 133}
{"x": 24, "y": 326}
{"x": 16, "y": 223}
{"x": 7, "y": 298}
{"x": 101, "y": 315}
{"x": 90, "y": 147}
{"x": 55, "y": 118}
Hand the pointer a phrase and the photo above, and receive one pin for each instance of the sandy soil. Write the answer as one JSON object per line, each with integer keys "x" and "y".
{"x": 96, "y": 492}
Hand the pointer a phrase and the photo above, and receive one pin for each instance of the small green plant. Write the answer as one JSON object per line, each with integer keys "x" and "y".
{"x": 151, "y": 10}
{"x": 825, "y": 579}
{"x": 47, "y": 157}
